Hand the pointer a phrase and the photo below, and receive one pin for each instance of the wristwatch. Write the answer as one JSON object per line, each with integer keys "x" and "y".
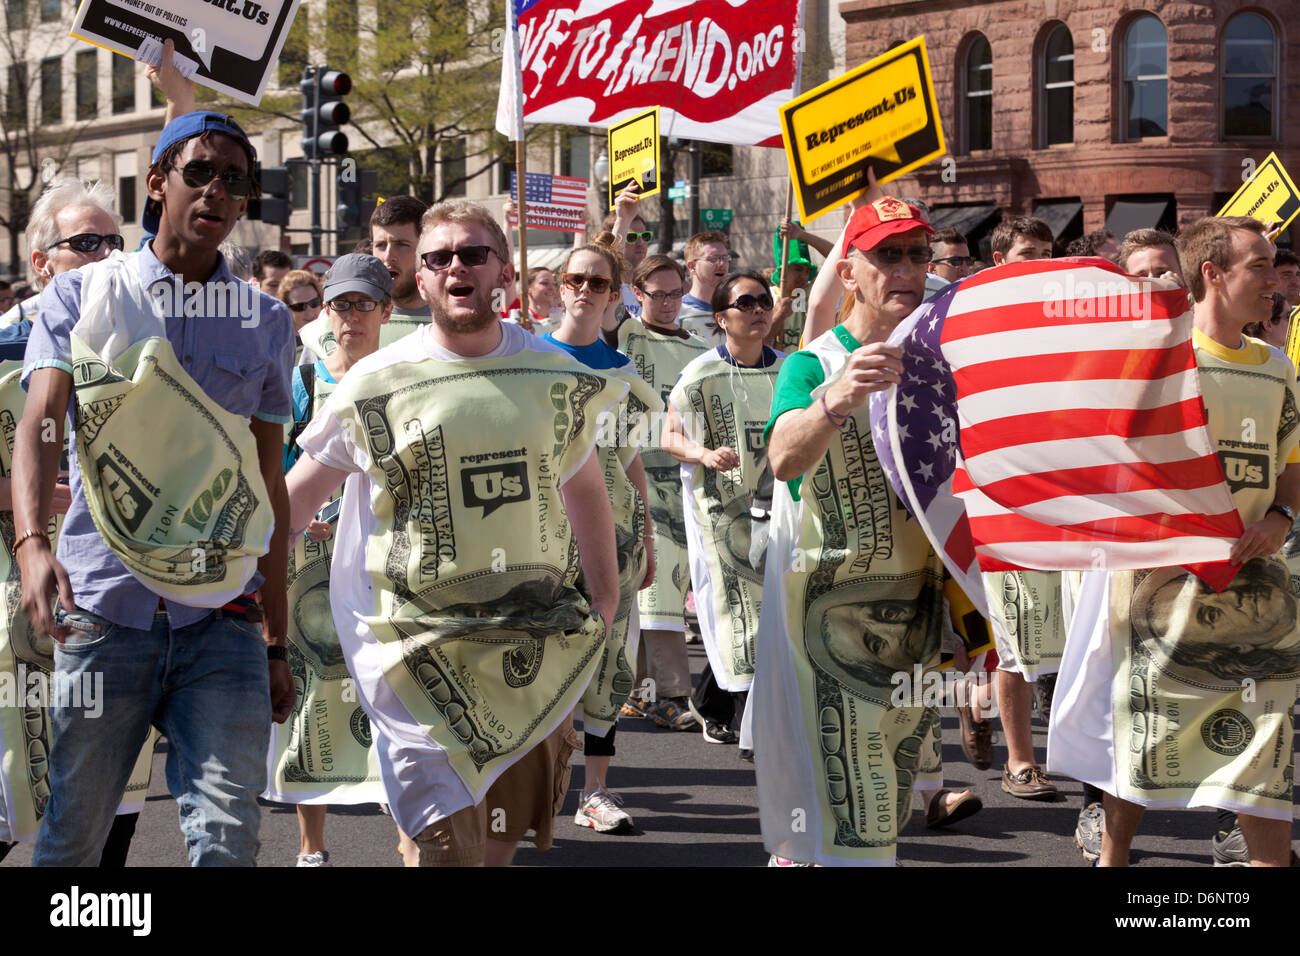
{"x": 1289, "y": 513}
{"x": 277, "y": 652}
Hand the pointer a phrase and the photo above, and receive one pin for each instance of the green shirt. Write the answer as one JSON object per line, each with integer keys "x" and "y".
{"x": 800, "y": 374}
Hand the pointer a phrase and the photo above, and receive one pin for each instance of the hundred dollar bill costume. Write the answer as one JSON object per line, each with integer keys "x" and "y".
{"x": 1175, "y": 695}
{"x": 852, "y": 593}
{"x": 723, "y": 403}
{"x": 1028, "y": 624}
{"x": 324, "y": 753}
{"x": 455, "y": 571}
{"x": 659, "y": 358}
{"x": 27, "y": 659}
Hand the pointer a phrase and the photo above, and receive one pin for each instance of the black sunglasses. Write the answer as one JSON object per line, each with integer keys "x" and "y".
{"x": 197, "y": 173}
{"x": 304, "y": 306}
{"x": 748, "y": 303}
{"x": 893, "y": 255}
{"x": 956, "y": 260}
{"x": 439, "y": 259}
{"x": 89, "y": 242}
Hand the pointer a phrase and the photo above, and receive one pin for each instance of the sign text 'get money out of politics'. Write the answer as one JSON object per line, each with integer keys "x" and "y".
{"x": 882, "y": 115}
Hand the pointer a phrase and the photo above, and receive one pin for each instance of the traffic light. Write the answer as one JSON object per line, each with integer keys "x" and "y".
{"x": 323, "y": 111}
{"x": 354, "y": 208}
{"x": 274, "y": 205}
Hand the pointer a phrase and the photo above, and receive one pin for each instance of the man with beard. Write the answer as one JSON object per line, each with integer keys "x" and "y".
{"x": 472, "y": 503}
{"x": 1179, "y": 696}
{"x": 852, "y": 589}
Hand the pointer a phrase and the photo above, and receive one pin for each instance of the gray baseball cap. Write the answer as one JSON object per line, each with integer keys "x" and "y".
{"x": 358, "y": 272}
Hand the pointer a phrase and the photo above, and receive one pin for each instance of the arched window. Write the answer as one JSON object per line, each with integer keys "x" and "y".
{"x": 977, "y": 95}
{"x": 1056, "y": 105}
{"x": 1249, "y": 76}
{"x": 1144, "y": 110}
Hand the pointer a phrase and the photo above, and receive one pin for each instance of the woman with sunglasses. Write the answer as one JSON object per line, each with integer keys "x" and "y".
{"x": 716, "y": 415}
{"x": 590, "y": 280}
{"x": 300, "y": 290}
{"x": 359, "y": 289}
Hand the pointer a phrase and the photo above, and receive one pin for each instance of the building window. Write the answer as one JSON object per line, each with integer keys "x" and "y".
{"x": 126, "y": 198}
{"x": 575, "y": 155}
{"x": 341, "y": 29}
{"x": 51, "y": 10}
{"x": 1057, "y": 104}
{"x": 1145, "y": 90}
{"x": 123, "y": 85}
{"x": 16, "y": 14}
{"x": 16, "y": 98}
{"x": 87, "y": 85}
{"x": 1249, "y": 76}
{"x": 453, "y": 167}
{"x": 51, "y": 91}
{"x": 977, "y": 95}
{"x": 716, "y": 159}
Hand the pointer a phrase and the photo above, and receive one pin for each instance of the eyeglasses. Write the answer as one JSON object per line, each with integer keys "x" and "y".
{"x": 750, "y": 303}
{"x": 598, "y": 284}
{"x": 342, "y": 306}
{"x": 439, "y": 259}
{"x": 955, "y": 260}
{"x": 310, "y": 304}
{"x": 657, "y": 297}
{"x": 197, "y": 173}
{"x": 893, "y": 255}
{"x": 89, "y": 242}
{"x": 640, "y": 236}
{"x": 715, "y": 260}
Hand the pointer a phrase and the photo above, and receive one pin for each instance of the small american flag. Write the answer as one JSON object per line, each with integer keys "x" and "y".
{"x": 1050, "y": 417}
{"x": 554, "y": 202}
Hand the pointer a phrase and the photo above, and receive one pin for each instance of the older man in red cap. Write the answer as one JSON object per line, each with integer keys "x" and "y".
{"x": 852, "y": 591}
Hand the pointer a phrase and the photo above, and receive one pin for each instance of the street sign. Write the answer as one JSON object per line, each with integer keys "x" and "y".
{"x": 716, "y": 217}
{"x": 676, "y": 192}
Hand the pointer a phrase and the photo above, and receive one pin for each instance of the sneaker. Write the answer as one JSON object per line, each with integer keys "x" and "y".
{"x": 1087, "y": 832}
{"x": 746, "y": 754}
{"x": 671, "y": 712}
{"x": 716, "y": 733}
{"x": 600, "y": 810}
{"x": 315, "y": 859}
{"x": 1029, "y": 784}
{"x": 1229, "y": 849}
{"x": 1044, "y": 688}
{"x": 636, "y": 707}
{"x": 775, "y": 860}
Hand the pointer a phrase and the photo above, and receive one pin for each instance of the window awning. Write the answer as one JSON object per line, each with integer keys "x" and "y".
{"x": 965, "y": 219}
{"x": 1058, "y": 215}
{"x": 1129, "y": 214}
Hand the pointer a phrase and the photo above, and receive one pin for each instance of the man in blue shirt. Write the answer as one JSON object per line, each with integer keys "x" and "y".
{"x": 207, "y": 679}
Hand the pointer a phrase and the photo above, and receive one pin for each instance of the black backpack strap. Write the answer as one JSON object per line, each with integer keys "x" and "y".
{"x": 308, "y": 375}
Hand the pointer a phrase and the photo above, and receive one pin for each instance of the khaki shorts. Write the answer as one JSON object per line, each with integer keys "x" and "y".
{"x": 530, "y": 794}
{"x": 457, "y": 840}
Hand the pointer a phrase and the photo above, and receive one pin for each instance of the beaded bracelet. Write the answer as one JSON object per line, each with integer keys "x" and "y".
{"x": 27, "y": 535}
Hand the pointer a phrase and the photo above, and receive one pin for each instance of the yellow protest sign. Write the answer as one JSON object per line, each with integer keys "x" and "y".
{"x": 1293, "y": 338}
{"x": 1269, "y": 195}
{"x": 883, "y": 114}
{"x": 634, "y": 154}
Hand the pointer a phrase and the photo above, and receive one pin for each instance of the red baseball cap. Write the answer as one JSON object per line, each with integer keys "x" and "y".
{"x": 875, "y": 222}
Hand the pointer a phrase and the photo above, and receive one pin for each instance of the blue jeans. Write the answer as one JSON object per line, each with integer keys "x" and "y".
{"x": 205, "y": 686}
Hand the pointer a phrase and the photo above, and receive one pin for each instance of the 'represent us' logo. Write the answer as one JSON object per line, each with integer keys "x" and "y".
{"x": 492, "y": 486}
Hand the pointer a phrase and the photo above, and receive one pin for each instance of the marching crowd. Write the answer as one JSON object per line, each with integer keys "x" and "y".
{"x": 388, "y": 537}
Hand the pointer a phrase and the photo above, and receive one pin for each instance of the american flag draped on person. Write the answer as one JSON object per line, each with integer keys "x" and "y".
{"x": 1050, "y": 417}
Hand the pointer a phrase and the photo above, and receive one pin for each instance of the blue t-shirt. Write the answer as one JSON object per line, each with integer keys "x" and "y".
{"x": 596, "y": 355}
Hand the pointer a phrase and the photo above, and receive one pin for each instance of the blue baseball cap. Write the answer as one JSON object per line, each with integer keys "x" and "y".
{"x": 185, "y": 127}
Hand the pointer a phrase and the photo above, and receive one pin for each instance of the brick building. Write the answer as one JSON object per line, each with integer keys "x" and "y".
{"x": 1090, "y": 113}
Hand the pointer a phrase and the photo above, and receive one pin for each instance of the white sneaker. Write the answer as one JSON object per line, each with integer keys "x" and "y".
{"x": 315, "y": 859}
{"x": 600, "y": 810}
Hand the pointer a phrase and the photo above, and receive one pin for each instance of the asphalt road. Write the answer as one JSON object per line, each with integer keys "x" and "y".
{"x": 694, "y": 805}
